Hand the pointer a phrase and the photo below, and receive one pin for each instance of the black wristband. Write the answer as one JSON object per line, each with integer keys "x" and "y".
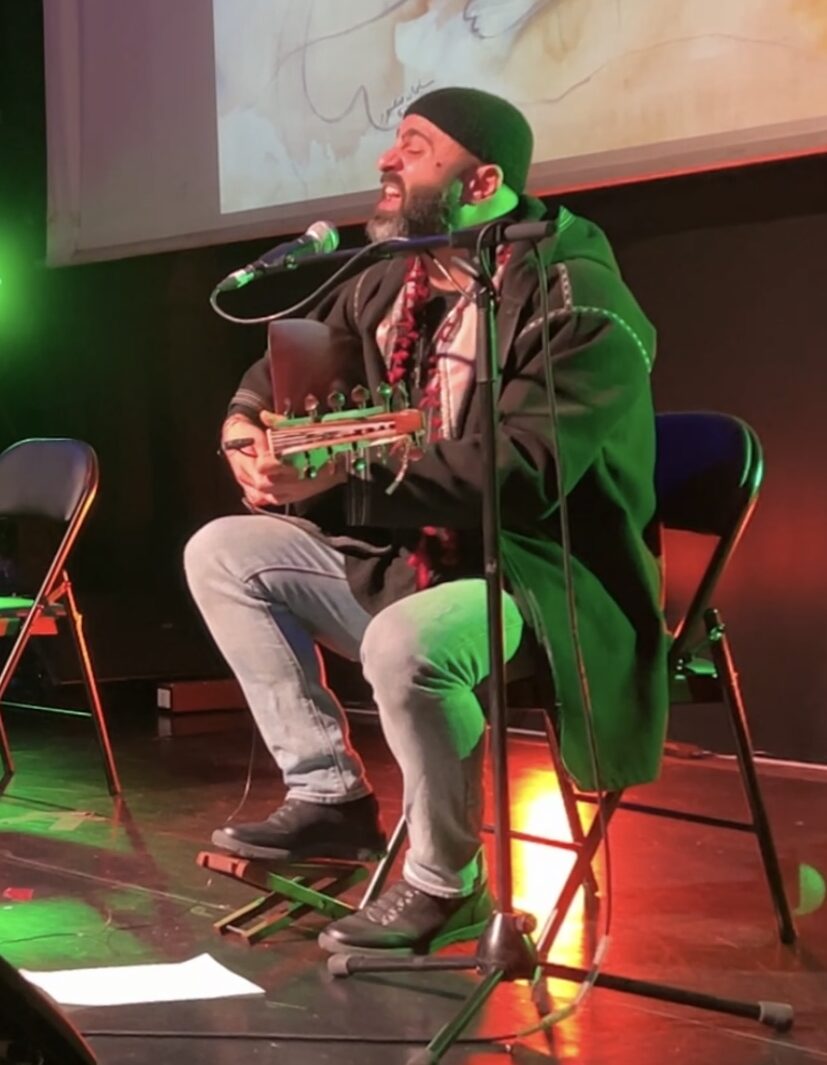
{"x": 237, "y": 443}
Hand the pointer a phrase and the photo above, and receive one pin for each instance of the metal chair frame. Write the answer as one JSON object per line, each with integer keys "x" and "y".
{"x": 55, "y": 597}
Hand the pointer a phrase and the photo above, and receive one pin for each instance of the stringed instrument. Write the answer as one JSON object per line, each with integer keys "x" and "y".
{"x": 307, "y": 359}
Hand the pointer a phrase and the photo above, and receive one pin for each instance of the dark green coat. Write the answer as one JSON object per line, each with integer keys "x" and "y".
{"x": 602, "y": 347}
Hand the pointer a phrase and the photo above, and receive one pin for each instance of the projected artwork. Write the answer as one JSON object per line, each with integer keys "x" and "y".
{"x": 308, "y": 91}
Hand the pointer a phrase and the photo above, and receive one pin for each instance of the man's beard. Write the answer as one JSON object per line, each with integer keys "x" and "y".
{"x": 423, "y": 211}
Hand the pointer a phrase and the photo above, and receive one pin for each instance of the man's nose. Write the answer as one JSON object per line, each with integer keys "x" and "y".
{"x": 390, "y": 160}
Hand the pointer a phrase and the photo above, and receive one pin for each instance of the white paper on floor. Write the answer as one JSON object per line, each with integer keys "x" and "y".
{"x": 199, "y": 978}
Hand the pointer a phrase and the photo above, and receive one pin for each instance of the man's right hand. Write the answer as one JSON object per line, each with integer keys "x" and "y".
{"x": 265, "y": 481}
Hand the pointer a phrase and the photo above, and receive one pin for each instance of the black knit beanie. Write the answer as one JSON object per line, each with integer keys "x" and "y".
{"x": 487, "y": 126}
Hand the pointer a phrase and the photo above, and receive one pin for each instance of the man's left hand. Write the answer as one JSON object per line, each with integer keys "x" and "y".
{"x": 283, "y": 482}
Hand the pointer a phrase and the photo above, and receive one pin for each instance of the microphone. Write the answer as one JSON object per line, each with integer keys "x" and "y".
{"x": 320, "y": 239}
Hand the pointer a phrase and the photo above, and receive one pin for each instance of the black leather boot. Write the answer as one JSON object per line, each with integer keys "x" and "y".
{"x": 405, "y": 920}
{"x": 306, "y": 830}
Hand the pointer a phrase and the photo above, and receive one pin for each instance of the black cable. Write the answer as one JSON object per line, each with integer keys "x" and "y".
{"x": 568, "y": 578}
{"x": 106, "y": 930}
{"x": 292, "y": 1037}
{"x": 249, "y": 781}
{"x": 351, "y": 266}
{"x": 110, "y": 882}
{"x": 571, "y": 606}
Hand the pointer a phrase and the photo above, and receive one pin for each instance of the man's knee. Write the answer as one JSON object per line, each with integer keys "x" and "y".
{"x": 207, "y": 547}
{"x": 404, "y": 646}
{"x": 436, "y": 639}
{"x": 241, "y": 542}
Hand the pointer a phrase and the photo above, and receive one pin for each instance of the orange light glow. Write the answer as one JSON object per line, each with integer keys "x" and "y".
{"x": 541, "y": 871}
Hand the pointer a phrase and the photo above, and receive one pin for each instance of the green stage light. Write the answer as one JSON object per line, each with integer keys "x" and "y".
{"x": 13, "y": 315}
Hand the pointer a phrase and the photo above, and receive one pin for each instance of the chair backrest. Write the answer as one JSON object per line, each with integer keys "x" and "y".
{"x": 47, "y": 478}
{"x": 708, "y": 471}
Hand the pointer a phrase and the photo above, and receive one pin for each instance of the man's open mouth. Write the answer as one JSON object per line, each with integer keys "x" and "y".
{"x": 391, "y": 198}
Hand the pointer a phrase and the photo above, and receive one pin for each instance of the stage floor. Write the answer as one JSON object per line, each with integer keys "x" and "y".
{"x": 85, "y": 882}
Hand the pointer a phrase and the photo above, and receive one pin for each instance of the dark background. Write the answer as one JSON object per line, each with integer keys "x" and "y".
{"x": 730, "y": 265}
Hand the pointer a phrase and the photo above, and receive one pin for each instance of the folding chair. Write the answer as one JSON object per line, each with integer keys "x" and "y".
{"x": 55, "y": 479}
{"x": 708, "y": 473}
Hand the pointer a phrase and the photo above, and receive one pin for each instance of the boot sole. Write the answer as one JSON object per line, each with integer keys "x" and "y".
{"x": 457, "y": 935}
{"x": 340, "y": 852}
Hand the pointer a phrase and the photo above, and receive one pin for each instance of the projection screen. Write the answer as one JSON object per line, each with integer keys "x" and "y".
{"x": 179, "y": 124}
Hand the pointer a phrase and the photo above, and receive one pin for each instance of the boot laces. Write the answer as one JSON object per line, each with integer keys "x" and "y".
{"x": 392, "y": 904}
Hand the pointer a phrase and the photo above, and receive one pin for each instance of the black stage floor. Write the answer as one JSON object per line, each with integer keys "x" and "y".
{"x": 85, "y": 883}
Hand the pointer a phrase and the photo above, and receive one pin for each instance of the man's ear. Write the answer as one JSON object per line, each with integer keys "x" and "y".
{"x": 481, "y": 183}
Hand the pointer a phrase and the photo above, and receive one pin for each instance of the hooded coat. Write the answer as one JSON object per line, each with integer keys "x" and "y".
{"x": 602, "y": 349}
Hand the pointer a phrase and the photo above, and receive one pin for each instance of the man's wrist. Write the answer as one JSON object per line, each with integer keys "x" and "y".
{"x": 235, "y": 431}
{"x": 234, "y": 421}
{"x": 235, "y": 426}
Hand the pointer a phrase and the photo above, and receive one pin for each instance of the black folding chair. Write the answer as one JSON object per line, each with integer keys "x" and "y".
{"x": 708, "y": 473}
{"x": 55, "y": 479}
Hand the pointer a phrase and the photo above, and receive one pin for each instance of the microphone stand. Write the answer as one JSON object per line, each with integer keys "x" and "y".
{"x": 505, "y": 951}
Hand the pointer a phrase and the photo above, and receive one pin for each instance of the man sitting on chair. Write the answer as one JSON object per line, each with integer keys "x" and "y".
{"x": 396, "y": 580}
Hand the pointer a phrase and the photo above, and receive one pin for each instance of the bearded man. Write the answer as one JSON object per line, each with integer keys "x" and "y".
{"x": 396, "y": 580}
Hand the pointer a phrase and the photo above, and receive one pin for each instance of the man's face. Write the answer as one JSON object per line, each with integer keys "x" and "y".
{"x": 422, "y": 184}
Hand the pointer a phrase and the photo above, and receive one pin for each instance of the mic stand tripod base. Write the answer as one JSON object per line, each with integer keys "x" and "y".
{"x": 505, "y": 952}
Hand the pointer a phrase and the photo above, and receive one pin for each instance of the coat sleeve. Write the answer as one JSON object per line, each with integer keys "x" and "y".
{"x": 601, "y": 348}
{"x": 254, "y": 392}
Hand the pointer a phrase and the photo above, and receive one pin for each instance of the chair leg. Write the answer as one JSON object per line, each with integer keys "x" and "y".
{"x": 6, "y": 674}
{"x": 5, "y": 753}
{"x": 76, "y": 620}
{"x": 380, "y": 874}
{"x": 570, "y": 805}
{"x": 725, "y": 668}
{"x": 577, "y": 875}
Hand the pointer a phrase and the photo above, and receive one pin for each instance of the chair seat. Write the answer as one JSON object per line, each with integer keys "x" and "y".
{"x": 14, "y": 608}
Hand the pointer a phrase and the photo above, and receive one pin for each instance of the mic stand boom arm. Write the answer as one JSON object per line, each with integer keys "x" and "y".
{"x": 473, "y": 238}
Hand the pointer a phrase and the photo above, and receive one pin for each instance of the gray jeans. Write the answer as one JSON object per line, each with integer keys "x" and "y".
{"x": 270, "y": 592}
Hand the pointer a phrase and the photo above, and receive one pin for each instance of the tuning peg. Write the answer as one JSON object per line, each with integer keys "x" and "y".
{"x": 360, "y": 396}
{"x": 356, "y": 465}
{"x": 311, "y": 407}
{"x": 385, "y": 391}
{"x": 336, "y": 401}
